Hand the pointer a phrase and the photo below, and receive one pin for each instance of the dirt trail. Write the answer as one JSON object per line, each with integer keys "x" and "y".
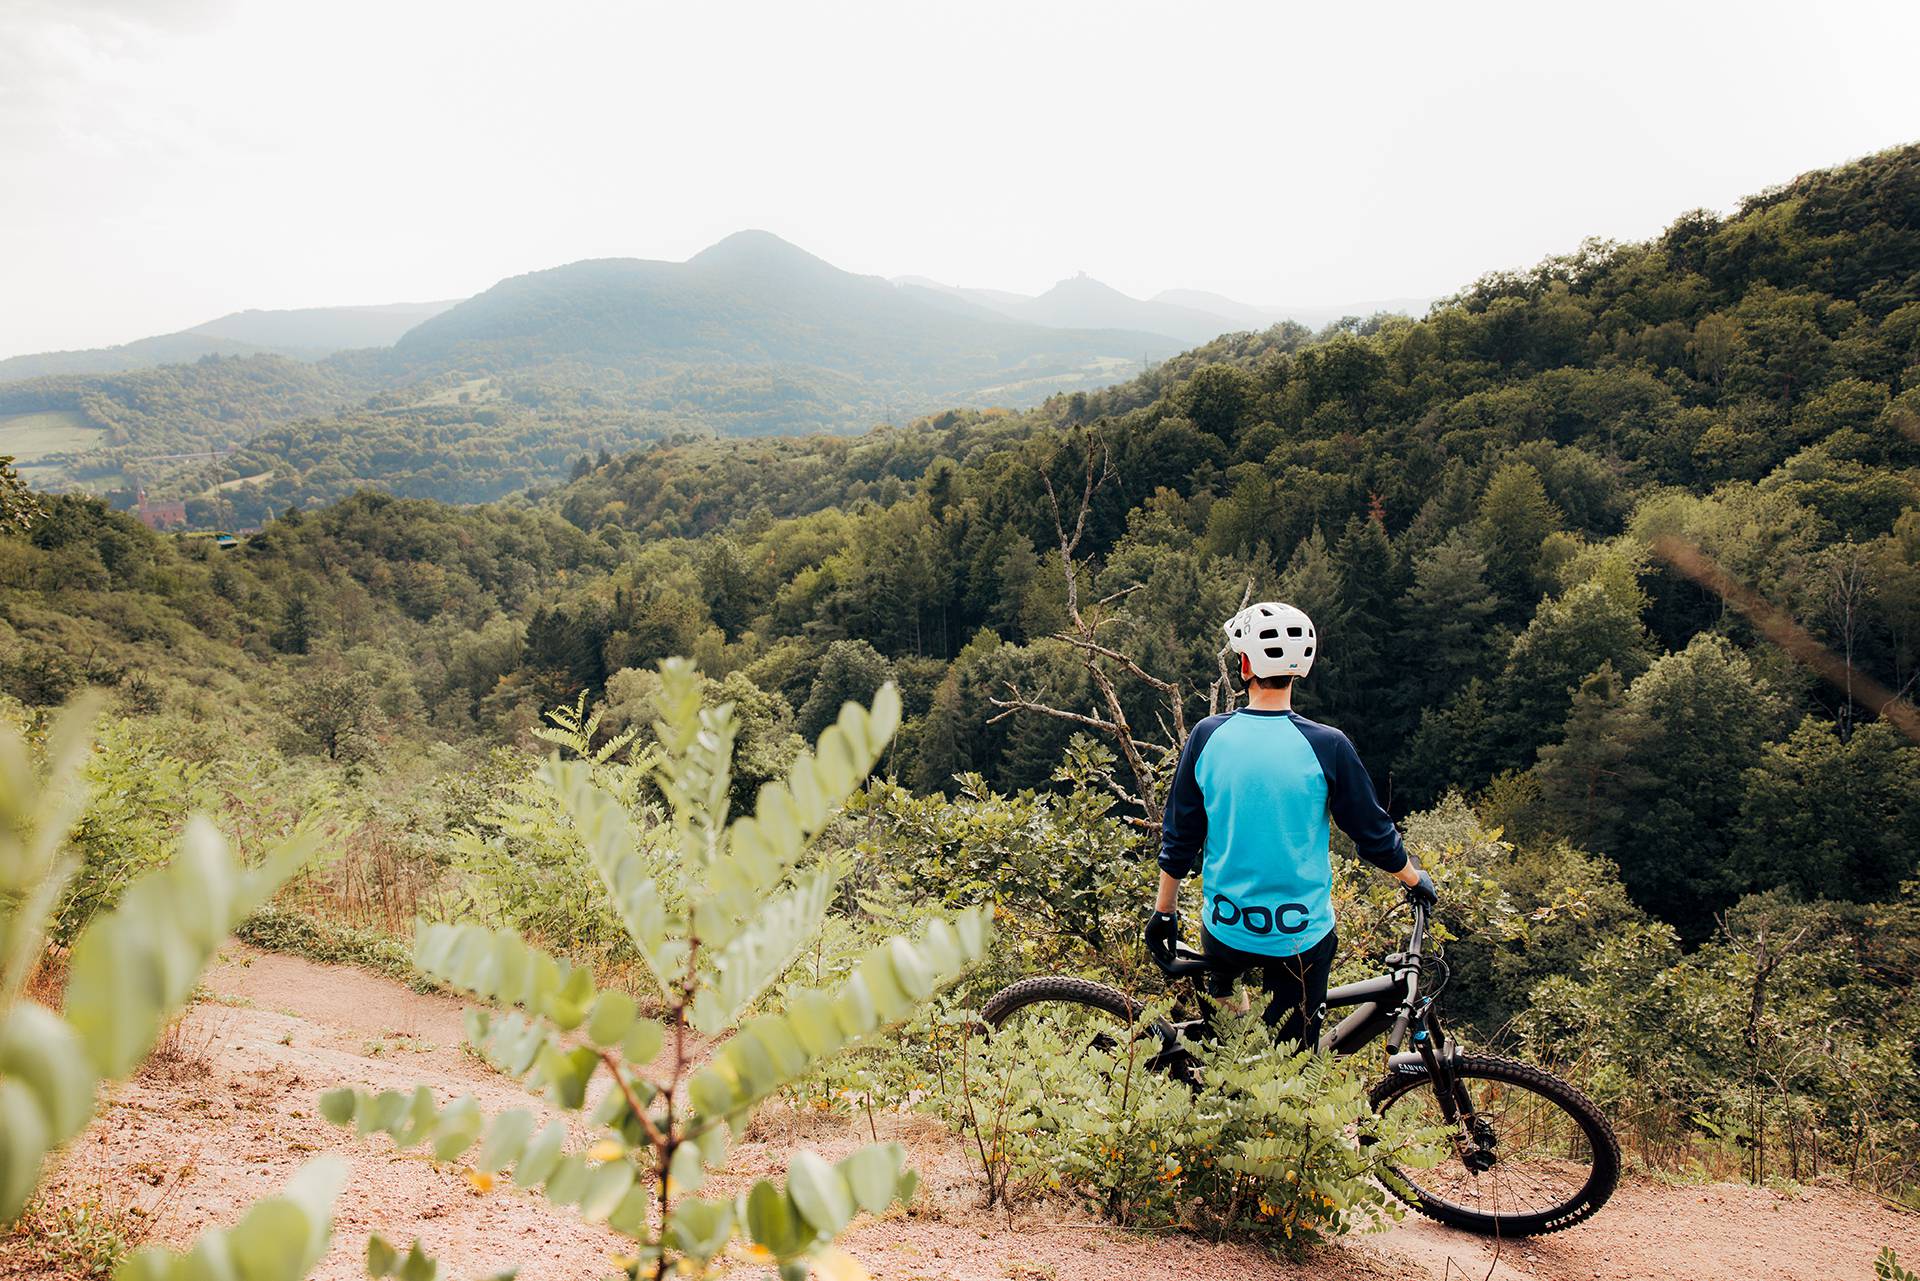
{"x": 233, "y": 1113}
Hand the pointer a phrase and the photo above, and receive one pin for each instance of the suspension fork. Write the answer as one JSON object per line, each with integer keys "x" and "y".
{"x": 1437, "y": 1054}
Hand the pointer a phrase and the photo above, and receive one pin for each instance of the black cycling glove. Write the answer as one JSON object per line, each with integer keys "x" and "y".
{"x": 1163, "y": 934}
{"x": 1423, "y": 890}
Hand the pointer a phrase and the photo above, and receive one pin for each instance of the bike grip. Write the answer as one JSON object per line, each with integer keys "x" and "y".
{"x": 1399, "y": 1032}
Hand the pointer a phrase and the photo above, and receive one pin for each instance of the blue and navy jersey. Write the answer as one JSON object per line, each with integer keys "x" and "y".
{"x": 1250, "y": 806}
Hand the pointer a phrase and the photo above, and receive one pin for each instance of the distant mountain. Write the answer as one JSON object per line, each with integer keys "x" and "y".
{"x": 145, "y": 353}
{"x": 1003, "y": 301}
{"x": 1085, "y": 302}
{"x": 755, "y": 301}
{"x": 306, "y": 333}
{"x": 1246, "y": 314}
{"x": 752, "y": 336}
{"x": 321, "y": 331}
{"x": 1187, "y": 316}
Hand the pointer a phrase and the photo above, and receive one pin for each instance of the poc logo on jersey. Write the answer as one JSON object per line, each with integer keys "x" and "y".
{"x": 1259, "y": 920}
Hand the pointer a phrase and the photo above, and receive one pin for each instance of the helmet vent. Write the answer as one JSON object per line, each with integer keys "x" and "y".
{"x": 1271, "y": 634}
{"x": 1309, "y": 652}
{"x": 1275, "y": 651}
{"x": 1293, "y": 631}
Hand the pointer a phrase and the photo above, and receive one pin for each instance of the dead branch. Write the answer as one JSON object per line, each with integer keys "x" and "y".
{"x": 1019, "y": 703}
{"x": 1097, "y": 470}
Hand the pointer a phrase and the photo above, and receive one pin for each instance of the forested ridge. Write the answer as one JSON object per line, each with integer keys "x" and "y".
{"x": 751, "y": 336}
{"x": 1642, "y": 801}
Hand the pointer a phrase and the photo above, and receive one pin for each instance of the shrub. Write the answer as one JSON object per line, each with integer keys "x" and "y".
{"x": 130, "y": 970}
{"x": 1273, "y": 1142}
{"x": 716, "y": 913}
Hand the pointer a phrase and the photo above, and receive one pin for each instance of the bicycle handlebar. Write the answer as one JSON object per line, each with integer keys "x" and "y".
{"x": 1187, "y": 963}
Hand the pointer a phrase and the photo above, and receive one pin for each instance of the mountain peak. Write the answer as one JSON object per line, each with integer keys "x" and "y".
{"x": 757, "y": 250}
{"x": 1082, "y": 285}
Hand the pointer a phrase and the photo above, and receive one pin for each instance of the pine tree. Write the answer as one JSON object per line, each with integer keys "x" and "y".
{"x": 299, "y": 624}
{"x": 1597, "y": 761}
{"x": 1515, "y": 518}
{"x": 850, "y": 671}
{"x": 1368, "y": 695}
{"x": 1448, "y": 633}
{"x": 1312, "y": 583}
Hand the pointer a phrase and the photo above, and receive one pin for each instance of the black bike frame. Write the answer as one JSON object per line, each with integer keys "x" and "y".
{"x": 1387, "y": 1005}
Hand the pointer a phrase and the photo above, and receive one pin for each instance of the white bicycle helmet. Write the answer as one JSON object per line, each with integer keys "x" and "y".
{"x": 1275, "y": 638}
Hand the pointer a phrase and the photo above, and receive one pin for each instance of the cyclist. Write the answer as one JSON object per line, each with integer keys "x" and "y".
{"x": 1250, "y": 805}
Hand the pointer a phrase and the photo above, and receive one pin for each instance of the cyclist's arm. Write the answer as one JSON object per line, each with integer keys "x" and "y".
{"x": 1355, "y": 807}
{"x": 1183, "y": 827}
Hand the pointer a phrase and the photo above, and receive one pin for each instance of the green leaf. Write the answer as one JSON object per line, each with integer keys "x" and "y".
{"x": 762, "y": 952}
{"x": 773, "y": 1049}
{"x": 568, "y": 1180}
{"x": 686, "y": 1170}
{"x": 630, "y": 1216}
{"x": 912, "y": 973}
{"x": 700, "y": 1228}
{"x": 416, "y": 1123}
{"x": 458, "y": 1127}
{"x": 537, "y": 1162}
{"x": 643, "y": 1042}
{"x": 884, "y": 719}
{"x": 613, "y": 1014}
{"x": 814, "y": 1022}
{"x": 819, "y": 1193}
{"x": 382, "y": 1258}
{"x": 259, "y": 1241}
{"x": 24, "y": 1139}
{"x": 773, "y": 1222}
{"x": 607, "y": 1186}
{"x": 506, "y": 1140}
{"x": 338, "y": 1105}
{"x": 873, "y": 1175}
{"x": 418, "y": 1266}
{"x": 278, "y": 1239}
{"x": 40, "y": 1049}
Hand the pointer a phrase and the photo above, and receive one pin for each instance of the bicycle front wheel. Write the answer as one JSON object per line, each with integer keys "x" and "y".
{"x": 1530, "y": 1153}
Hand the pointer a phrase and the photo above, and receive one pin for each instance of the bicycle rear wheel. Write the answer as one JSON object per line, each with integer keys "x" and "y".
{"x": 1533, "y": 1155}
{"x": 1083, "y": 1013}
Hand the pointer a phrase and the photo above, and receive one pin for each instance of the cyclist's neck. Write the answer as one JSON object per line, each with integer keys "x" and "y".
{"x": 1270, "y": 700}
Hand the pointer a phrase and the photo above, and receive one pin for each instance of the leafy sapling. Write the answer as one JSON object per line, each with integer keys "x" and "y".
{"x": 717, "y": 911}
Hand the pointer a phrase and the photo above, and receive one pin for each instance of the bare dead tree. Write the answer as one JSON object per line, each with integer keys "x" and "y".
{"x": 1146, "y": 759}
{"x": 1846, "y": 590}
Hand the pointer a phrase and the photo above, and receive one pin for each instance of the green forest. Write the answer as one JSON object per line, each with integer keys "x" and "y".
{"x": 1615, "y": 561}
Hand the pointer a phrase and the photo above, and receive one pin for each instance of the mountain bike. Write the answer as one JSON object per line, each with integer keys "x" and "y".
{"x": 1530, "y": 1152}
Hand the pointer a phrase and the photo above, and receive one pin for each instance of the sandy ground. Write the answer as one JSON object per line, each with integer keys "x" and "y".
{"x": 194, "y": 1139}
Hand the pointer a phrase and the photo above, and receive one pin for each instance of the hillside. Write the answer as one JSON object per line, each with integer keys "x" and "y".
{"x": 307, "y": 333}
{"x": 752, "y": 300}
{"x": 1668, "y": 809}
{"x": 314, "y": 332}
{"x": 750, "y": 337}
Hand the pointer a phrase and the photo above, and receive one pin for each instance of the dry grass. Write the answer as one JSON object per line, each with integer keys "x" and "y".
{"x": 187, "y": 1046}
{"x": 90, "y": 1217}
{"x": 47, "y": 980}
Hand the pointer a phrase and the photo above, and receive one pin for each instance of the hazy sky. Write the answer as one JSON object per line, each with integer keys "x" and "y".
{"x": 166, "y": 161}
